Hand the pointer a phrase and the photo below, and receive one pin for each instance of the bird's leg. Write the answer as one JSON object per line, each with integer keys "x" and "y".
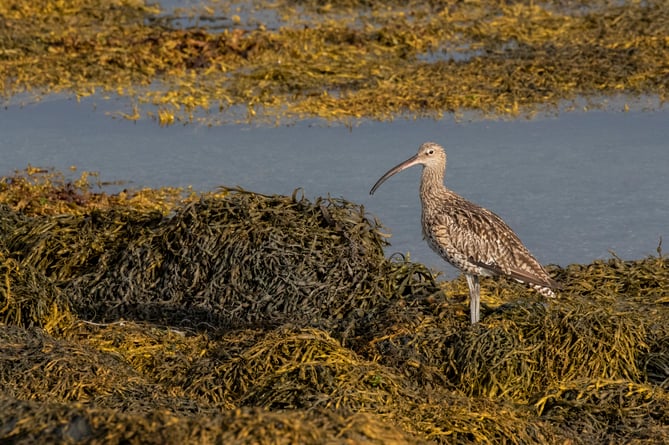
{"x": 474, "y": 296}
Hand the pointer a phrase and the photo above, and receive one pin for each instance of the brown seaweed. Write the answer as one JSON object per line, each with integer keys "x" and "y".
{"x": 249, "y": 318}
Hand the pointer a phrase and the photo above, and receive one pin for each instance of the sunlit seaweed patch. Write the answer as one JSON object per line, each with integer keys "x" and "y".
{"x": 339, "y": 61}
{"x": 43, "y": 191}
{"x": 250, "y": 318}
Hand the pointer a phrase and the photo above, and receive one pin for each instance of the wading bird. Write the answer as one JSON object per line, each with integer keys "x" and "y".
{"x": 471, "y": 238}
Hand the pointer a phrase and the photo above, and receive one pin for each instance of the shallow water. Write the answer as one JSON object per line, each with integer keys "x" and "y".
{"x": 574, "y": 187}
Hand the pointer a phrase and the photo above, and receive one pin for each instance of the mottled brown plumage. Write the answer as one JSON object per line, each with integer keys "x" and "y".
{"x": 470, "y": 237}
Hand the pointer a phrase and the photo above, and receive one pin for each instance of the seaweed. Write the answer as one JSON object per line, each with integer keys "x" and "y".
{"x": 280, "y": 61}
{"x": 239, "y": 317}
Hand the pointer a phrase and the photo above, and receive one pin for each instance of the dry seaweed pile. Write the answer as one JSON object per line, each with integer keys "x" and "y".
{"x": 282, "y": 60}
{"x": 243, "y": 318}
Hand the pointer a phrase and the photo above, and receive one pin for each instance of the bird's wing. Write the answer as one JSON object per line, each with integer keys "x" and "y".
{"x": 486, "y": 241}
{"x": 523, "y": 276}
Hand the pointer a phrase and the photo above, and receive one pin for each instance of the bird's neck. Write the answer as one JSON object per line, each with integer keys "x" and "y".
{"x": 432, "y": 183}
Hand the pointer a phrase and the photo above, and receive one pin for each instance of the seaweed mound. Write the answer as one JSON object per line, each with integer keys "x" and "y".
{"x": 273, "y": 319}
{"x": 244, "y": 260}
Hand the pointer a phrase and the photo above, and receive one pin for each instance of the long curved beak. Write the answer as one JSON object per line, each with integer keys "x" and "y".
{"x": 413, "y": 160}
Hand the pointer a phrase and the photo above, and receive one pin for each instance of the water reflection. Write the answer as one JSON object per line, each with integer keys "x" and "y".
{"x": 573, "y": 187}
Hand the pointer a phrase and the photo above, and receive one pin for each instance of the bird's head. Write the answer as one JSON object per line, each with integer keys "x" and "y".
{"x": 430, "y": 155}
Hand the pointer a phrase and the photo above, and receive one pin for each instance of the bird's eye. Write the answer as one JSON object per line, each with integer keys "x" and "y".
{"x": 430, "y": 151}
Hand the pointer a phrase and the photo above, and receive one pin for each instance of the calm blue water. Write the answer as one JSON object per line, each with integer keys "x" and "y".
{"x": 574, "y": 187}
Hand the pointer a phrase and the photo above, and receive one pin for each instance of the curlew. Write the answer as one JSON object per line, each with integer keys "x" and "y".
{"x": 470, "y": 237}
